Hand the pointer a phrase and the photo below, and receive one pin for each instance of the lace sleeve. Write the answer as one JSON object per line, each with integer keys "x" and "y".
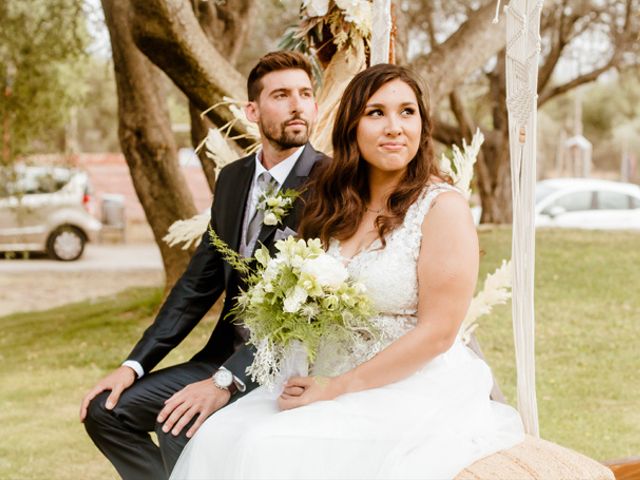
{"x": 415, "y": 216}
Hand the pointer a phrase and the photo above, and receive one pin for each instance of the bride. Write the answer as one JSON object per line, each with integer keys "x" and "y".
{"x": 420, "y": 407}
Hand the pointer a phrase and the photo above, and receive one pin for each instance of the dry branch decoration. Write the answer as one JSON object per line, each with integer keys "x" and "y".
{"x": 189, "y": 231}
{"x": 460, "y": 167}
{"x": 496, "y": 291}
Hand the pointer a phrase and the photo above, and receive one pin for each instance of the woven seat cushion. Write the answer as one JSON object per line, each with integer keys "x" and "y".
{"x": 536, "y": 459}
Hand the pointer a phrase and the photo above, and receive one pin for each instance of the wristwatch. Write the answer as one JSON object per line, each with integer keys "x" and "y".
{"x": 224, "y": 380}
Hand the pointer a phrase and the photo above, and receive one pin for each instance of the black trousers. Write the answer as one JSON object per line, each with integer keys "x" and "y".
{"x": 122, "y": 434}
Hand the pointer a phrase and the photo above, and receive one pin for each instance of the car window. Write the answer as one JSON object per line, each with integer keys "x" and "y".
{"x": 614, "y": 201}
{"x": 543, "y": 191}
{"x": 575, "y": 201}
{"x": 41, "y": 182}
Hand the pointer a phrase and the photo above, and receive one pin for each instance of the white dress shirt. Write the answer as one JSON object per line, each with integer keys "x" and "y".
{"x": 279, "y": 173}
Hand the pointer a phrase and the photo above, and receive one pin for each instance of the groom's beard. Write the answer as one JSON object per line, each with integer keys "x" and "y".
{"x": 285, "y": 138}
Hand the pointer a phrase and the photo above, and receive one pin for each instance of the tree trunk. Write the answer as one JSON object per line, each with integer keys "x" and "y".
{"x": 494, "y": 179}
{"x": 146, "y": 137}
{"x": 493, "y": 167}
{"x": 226, "y": 28}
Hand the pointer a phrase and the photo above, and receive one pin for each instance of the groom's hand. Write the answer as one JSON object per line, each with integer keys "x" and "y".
{"x": 201, "y": 398}
{"x": 117, "y": 381}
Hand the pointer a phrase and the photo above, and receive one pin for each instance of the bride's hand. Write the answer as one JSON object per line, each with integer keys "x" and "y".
{"x": 300, "y": 391}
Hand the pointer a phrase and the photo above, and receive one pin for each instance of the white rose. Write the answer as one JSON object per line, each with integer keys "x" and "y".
{"x": 356, "y": 12}
{"x": 270, "y": 219}
{"x": 294, "y": 299}
{"x": 274, "y": 201}
{"x": 316, "y": 8}
{"x": 328, "y": 271}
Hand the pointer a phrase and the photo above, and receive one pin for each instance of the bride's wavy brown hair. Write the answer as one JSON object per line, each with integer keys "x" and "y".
{"x": 339, "y": 192}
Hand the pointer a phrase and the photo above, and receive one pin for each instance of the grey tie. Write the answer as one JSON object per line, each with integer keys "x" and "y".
{"x": 264, "y": 184}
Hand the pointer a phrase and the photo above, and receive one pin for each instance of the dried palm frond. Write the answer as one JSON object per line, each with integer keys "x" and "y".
{"x": 188, "y": 231}
{"x": 496, "y": 291}
{"x": 460, "y": 167}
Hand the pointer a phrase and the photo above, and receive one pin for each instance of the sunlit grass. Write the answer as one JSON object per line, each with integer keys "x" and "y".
{"x": 587, "y": 328}
{"x": 588, "y": 325}
{"x": 48, "y": 362}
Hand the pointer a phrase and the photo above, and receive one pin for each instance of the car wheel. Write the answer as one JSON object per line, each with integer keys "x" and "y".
{"x": 66, "y": 243}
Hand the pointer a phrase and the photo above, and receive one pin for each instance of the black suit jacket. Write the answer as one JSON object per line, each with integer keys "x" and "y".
{"x": 207, "y": 275}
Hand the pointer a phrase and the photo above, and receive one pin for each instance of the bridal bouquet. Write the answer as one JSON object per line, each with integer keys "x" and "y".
{"x": 294, "y": 302}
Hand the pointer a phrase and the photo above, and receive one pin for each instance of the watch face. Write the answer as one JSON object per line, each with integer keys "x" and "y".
{"x": 223, "y": 378}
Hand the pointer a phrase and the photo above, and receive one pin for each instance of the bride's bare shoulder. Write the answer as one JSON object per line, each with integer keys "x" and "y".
{"x": 434, "y": 179}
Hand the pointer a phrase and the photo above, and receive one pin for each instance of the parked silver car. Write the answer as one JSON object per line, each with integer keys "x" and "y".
{"x": 584, "y": 203}
{"x": 587, "y": 203}
{"x": 46, "y": 209}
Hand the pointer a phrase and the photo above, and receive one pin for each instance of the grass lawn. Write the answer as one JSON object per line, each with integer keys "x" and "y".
{"x": 588, "y": 324}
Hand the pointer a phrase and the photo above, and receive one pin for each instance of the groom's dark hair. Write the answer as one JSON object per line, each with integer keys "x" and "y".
{"x": 272, "y": 62}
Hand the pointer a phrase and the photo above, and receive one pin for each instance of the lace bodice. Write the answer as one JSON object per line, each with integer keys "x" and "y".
{"x": 390, "y": 275}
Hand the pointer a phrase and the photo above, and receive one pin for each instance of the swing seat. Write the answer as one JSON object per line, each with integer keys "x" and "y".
{"x": 536, "y": 459}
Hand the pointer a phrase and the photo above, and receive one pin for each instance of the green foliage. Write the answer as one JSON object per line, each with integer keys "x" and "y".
{"x": 97, "y": 113}
{"x": 42, "y": 44}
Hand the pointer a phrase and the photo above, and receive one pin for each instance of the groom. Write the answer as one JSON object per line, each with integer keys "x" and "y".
{"x": 121, "y": 410}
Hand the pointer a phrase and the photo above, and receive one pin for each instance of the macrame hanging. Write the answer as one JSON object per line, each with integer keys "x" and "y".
{"x": 380, "y": 31}
{"x": 522, "y": 53}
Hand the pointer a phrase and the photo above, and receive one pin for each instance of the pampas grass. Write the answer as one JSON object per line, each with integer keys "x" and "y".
{"x": 460, "y": 167}
{"x": 496, "y": 291}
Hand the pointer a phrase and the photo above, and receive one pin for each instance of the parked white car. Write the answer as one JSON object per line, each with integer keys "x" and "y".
{"x": 46, "y": 209}
{"x": 587, "y": 203}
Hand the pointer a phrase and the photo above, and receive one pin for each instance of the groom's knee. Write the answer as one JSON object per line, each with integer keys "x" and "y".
{"x": 98, "y": 417}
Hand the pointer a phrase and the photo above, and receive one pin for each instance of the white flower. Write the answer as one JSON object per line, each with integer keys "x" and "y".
{"x": 359, "y": 288}
{"x": 294, "y": 299}
{"x": 275, "y": 201}
{"x": 257, "y": 295}
{"x": 262, "y": 256}
{"x": 270, "y": 219}
{"x": 271, "y": 271}
{"x": 316, "y": 8}
{"x": 328, "y": 271}
{"x": 357, "y": 12}
{"x": 297, "y": 261}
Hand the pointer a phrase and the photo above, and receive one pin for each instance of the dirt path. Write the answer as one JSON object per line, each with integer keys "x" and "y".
{"x": 40, "y": 283}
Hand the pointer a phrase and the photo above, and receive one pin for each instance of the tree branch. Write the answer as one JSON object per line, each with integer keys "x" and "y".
{"x": 446, "y": 133}
{"x": 168, "y": 33}
{"x": 431, "y": 32}
{"x": 462, "y": 117}
{"x": 464, "y": 52}
{"x": 576, "y": 82}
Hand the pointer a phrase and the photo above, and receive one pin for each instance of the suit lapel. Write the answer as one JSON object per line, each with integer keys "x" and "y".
{"x": 295, "y": 179}
{"x": 238, "y": 196}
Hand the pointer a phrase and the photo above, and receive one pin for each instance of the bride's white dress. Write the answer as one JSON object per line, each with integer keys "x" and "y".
{"x": 430, "y": 425}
